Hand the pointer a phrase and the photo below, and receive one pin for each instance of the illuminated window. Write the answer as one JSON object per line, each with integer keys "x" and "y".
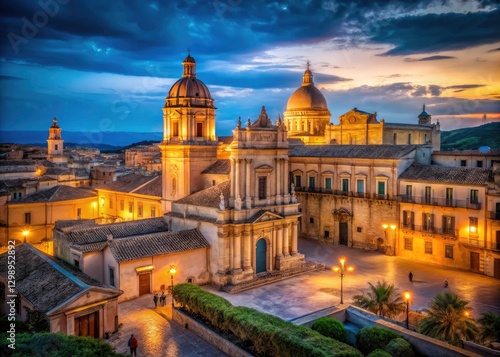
{"x": 102, "y": 202}
{"x": 428, "y": 247}
{"x": 408, "y": 217}
{"x": 427, "y": 222}
{"x": 153, "y": 211}
{"x": 176, "y": 129}
{"x": 448, "y": 251}
{"x": 473, "y": 225}
{"x": 130, "y": 207}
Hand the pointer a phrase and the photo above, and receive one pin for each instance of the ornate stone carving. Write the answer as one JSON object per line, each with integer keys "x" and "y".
{"x": 237, "y": 203}
{"x": 222, "y": 203}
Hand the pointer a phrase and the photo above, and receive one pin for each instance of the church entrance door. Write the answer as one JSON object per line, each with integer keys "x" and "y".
{"x": 261, "y": 252}
{"x": 343, "y": 233}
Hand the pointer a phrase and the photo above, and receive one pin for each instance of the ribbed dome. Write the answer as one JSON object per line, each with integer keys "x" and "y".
{"x": 189, "y": 87}
{"x": 307, "y": 96}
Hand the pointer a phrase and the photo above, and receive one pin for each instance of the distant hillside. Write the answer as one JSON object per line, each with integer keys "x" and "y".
{"x": 472, "y": 138}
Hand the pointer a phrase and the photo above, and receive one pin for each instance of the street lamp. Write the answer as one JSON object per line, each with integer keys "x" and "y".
{"x": 407, "y": 298}
{"x": 342, "y": 270}
{"x": 25, "y": 234}
{"x": 173, "y": 269}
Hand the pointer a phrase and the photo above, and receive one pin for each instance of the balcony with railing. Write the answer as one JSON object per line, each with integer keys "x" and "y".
{"x": 473, "y": 241}
{"x": 342, "y": 193}
{"x": 430, "y": 229}
{"x": 443, "y": 202}
{"x": 494, "y": 215}
{"x": 493, "y": 245}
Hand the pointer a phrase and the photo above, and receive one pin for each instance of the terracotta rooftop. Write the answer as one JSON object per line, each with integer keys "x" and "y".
{"x": 209, "y": 197}
{"x": 55, "y": 194}
{"x": 151, "y": 188}
{"x": 353, "y": 151}
{"x": 48, "y": 282}
{"x": 84, "y": 235}
{"x": 221, "y": 167}
{"x": 130, "y": 183}
{"x": 446, "y": 174}
{"x": 490, "y": 152}
{"x": 153, "y": 244}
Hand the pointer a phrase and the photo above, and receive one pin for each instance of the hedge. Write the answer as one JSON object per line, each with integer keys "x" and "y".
{"x": 379, "y": 353}
{"x": 399, "y": 347}
{"x": 330, "y": 327}
{"x": 369, "y": 339}
{"x": 264, "y": 334}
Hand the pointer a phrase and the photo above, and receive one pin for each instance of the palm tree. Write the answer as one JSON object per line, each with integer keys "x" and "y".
{"x": 447, "y": 319}
{"x": 489, "y": 328}
{"x": 382, "y": 299}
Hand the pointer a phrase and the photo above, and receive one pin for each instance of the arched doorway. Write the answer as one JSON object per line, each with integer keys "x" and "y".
{"x": 260, "y": 256}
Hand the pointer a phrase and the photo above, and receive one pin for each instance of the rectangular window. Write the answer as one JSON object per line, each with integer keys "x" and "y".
{"x": 76, "y": 263}
{"x": 474, "y": 196}
{"x": 427, "y": 193}
{"x": 27, "y": 218}
{"x": 408, "y": 243}
{"x": 448, "y": 251}
{"x": 327, "y": 234}
{"x": 409, "y": 189}
{"x": 111, "y": 276}
{"x": 130, "y": 207}
{"x": 57, "y": 147}
{"x": 345, "y": 184}
{"x": 449, "y": 225}
{"x": 427, "y": 222}
{"x": 473, "y": 225}
{"x": 479, "y": 163}
{"x": 311, "y": 182}
{"x": 428, "y": 247}
{"x": 122, "y": 205}
{"x": 328, "y": 183}
{"x": 408, "y": 217}
{"x": 176, "y": 129}
{"x": 449, "y": 196}
{"x": 199, "y": 130}
{"x": 298, "y": 181}
{"x": 311, "y": 220}
{"x": 381, "y": 187}
{"x": 262, "y": 188}
{"x": 139, "y": 210}
{"x": 153, "y": 211}
{"x": 102, "y": 202}
{"x": 463, "y": 163}
{"x": 78, "y": 212}
{"x": 111, "y": 203}
{"x": 360, "y": 186}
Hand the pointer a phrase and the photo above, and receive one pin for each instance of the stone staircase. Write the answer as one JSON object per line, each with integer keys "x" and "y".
{"x": 271, "y": 277}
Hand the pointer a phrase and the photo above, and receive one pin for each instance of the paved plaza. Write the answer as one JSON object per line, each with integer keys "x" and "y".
{"x": 291, "y": 298}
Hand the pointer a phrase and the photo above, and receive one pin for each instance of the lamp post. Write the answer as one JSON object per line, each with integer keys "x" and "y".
{"x": 25, "y": 234}
{"x": 407, "y": 298}
{"x": 173, "y": 269}
{"x": 342, "y": 270}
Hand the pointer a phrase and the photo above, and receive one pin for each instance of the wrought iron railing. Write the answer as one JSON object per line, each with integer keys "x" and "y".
{"x": 443, "y": 202}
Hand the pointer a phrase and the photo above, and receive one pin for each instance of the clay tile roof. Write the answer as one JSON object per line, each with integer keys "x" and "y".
{"x": 127, "y": 183}
{"x": 132, "y": 248}
{"x": 209, "y": 197}
{"x": 91, "y": 247}
{"x": 85, "y": 235}
{"x": 151, "y": 188}
{"x": 221, "y": 167}
{"x": 353, "y": 151}
{"x": 55, "y": 194}
{"x": 490, "y": 152}
{"x": 48, "y": 282}
{"x": 446, "y": 174}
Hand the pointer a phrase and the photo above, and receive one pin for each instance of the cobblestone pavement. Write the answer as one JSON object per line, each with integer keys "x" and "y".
{"x": 156, "y": 333}
{"x": 301, "y": 295}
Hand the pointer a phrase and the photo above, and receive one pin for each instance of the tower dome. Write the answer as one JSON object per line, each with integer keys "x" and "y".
{"x": 307, "y": 96}
{"x": 189, "y": 87}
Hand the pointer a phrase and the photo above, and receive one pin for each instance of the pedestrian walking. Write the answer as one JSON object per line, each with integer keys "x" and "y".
{"x": 446, "y": 283}
{"x": 410, "y": 277}
{"x": 132, "y": 343}
{"x": 155, "y": 299}
{"x": 162, "y": 298}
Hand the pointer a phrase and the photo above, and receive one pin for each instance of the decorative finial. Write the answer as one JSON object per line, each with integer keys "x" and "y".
{"x": 239, "y": 123}
{"x": 308, "y": 64}
{"x": 189, "y": 51}
{"x": 249, "y": 123}
{"x": 423, "y": 109}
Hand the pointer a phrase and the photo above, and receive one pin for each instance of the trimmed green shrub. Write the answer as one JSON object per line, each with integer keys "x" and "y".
{"x": 399, "y": 347}
{"x": 369, "y": 339}
{"x": 379, "y": 353}
{"x": 57, "y": 344}
{"x": 330, "y": 327}
{"x": 263, "y": 334}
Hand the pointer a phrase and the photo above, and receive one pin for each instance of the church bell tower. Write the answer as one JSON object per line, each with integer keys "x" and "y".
{"x": 55, "y": 144}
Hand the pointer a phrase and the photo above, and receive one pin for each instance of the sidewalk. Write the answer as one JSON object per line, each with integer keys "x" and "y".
{"x": 157, "y": 334}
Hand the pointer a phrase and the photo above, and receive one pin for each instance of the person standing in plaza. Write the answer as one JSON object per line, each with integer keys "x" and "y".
{"x": 155, "y": 299}
{"x": 132, "y": 343}
{"x": 162, "y": 298}
{"x": 410, "y": 277}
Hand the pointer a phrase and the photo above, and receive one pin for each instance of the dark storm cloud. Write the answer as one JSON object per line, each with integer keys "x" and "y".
{"x": 465, "y": 86}
{"x": 438, "y": 32}
{"x": 431, "y": 58}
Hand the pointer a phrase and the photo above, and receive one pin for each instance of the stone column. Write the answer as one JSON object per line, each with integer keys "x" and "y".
{"x": 295, "y": 249}
{"x": 233, "y": 181}
{"x": 237, "y": 183}
{"x": 221, "y": 266}
{"x": 248, "y": 198}
{"x": 286, "y": 196}
{"x": 286, "y": 249}
{"x": 278, "y": 180}
{"x": 237, "y": 254}
{"x": 279, "y": 241}
{"x": 247, "y": 251}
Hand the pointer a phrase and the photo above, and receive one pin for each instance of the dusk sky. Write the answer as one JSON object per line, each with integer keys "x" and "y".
{"x": 108, "y": 65}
